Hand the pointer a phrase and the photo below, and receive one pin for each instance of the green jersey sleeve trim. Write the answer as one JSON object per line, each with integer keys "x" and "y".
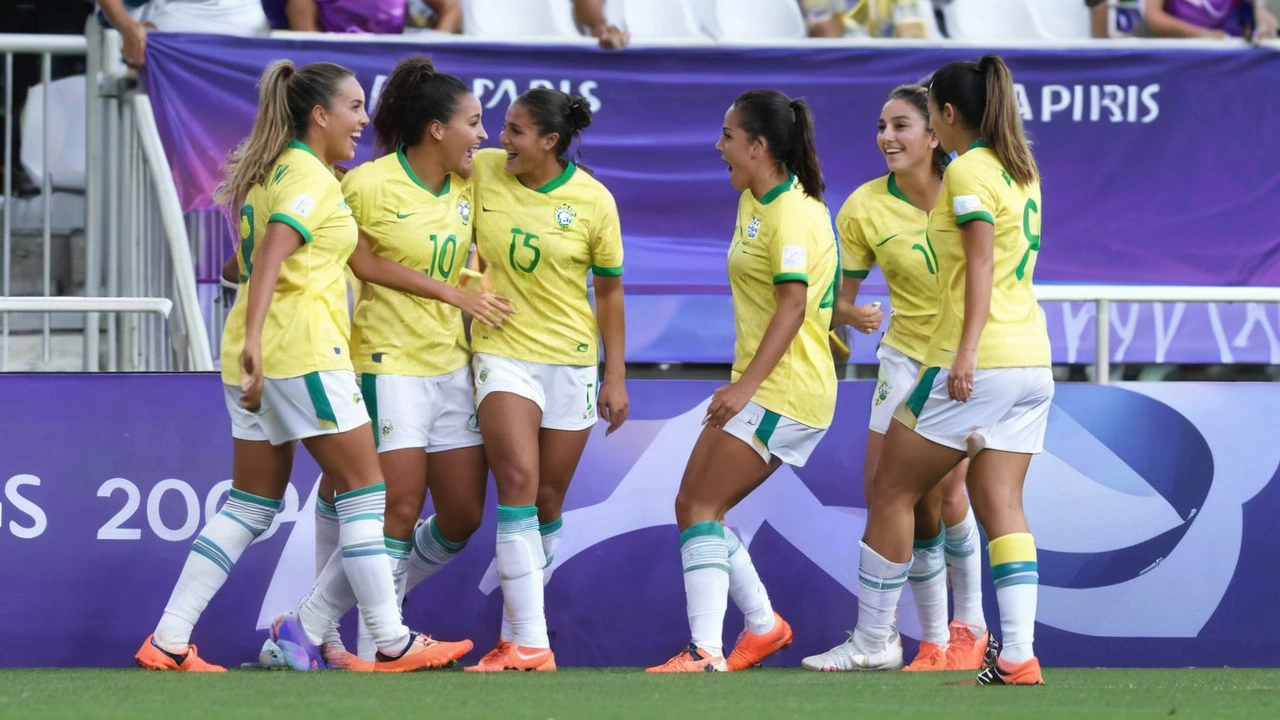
{"x": 293, "y": 223}
{"x": 975, "y": 215}
{"x": 859, "y": 274}
{"x": 791, "y": 277}
{"x": 606, "y": 271}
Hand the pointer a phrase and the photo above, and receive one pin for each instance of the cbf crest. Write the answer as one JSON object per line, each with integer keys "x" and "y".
{"x": 565, "y": 215}
{"x": 464, "y": 211}
{"x": 753, "y": 229}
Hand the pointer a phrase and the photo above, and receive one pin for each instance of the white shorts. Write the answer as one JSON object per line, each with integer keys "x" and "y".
{"x": 898, "y": 375}
{"x": 771, "y": 434}
{"x": 436, "y": 413}
{"x": 318, "y": 403}
{"x": 566, "y": 394}
{"x": 1008, "y": 410}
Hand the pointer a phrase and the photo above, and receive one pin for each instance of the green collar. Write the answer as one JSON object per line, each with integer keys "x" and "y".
{"x": 404, "y": 163}
{"x": 299, "y": 145}
{"x": 778, "y": 189}
{"x": 557, "y": 181}
{"x": 977, "y": 144}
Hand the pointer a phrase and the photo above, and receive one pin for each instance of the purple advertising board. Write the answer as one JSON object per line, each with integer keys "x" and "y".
{"x": 1153, "y": 506}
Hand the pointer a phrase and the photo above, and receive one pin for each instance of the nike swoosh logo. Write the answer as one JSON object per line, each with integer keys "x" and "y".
{"x": 887, "y": 239}
{"x": 520, "y": 654}
{"x": 404, "y": 215}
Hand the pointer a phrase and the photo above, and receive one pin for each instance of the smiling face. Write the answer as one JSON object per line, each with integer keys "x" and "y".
{"x": 904, "y": 137}
{"x": 342, "y": 122}
{"x": 738, "y": 151}
{"x": 527, "y": 151}
{"x": 461, "y": 136}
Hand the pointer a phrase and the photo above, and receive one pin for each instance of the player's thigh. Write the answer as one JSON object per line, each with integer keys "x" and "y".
{"x": 721, "y": 470}
{"x": 560, "y": 451}
{"x": 509, "y": 428}
{"x": 996, "y": 480}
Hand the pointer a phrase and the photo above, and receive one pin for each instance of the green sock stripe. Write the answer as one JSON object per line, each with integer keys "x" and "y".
{"x": 554, "y": 525}
{"x": 931, "y": 542}
{"x": 507, "y": 514}
{"x": 444, "y": 542}
{"x": 367, "y": 490}
{"x": 709, "y": 566}
{"x": 397, "y": 548}
{"x": 706, "y": 527}
{"x": 377, "y": 517}
{"x": 255, "y": 499}
{"x": 326, "y": 507}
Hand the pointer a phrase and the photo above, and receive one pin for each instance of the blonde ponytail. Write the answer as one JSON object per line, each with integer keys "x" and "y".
{"x": 250, "y": 162}
{"x": 1001, "y": 124}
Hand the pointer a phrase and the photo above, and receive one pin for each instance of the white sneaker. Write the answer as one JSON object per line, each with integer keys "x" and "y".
{"x": 851, "y": 656}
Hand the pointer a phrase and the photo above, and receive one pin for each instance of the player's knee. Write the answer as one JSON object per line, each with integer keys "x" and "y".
{"x": 516, "y": 481}
{"x": 403, "y": 510}
{"x": 691, "y": 510}
{"x": 462, "y": 523}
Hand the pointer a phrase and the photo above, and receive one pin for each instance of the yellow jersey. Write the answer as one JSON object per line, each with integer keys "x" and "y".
{"x": 539, "y": 244}
{"x": 395, "y": 333}
{"x": 976, "y": 188}
{"x": 307, "y": 325}
{"x": 786, "y": 236}
{"x": 879, "y": 225}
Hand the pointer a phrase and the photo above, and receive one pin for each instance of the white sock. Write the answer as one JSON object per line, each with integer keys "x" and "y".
{"x": 964, "y": 569}
{"x": 215, "y": 551}
{"x": 704, "y": 555}
{"x": 398, "y": 554}
{"x": 745, "y": 587}
{"x": 431, "y": 552}
{"x": 880, "y": 584}
{"x": 929, "y": 585}
{"x": 326, "y": 545}
{"x": 329, "y": 599}
{"x": 364, "y": 558}
{"x": 1017, "y": 578}
{"x": 550, "y": 533}
{"x": 520, "y": 562}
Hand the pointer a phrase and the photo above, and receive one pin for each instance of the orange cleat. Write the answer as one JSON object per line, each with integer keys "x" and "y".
{"x": 152, "y": 657}
{"x": 691, "y": 660}
{"x": 1027, "y": 673}
{"x": 337, "y": 658}
{"x": 424, "y": 653}
{"x": 751, "y": 648}
{"x": 931, "y": 658}
{"x": 509, "y": 656}
{"x": 966, "y": 651}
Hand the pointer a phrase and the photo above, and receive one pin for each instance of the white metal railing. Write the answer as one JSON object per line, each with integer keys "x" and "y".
{"x": 158, "y": 306}
{"x": 1103, "y": 295}
{"x": 46, "y": 46}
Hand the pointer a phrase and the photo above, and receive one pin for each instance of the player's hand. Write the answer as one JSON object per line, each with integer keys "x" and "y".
{"x": 867, "y": 318}
{"x": 614, "y": 405}
{"x": 1266, "y": 25}
{"x": 960, "y": 378}
{"x": 726, "y": 402}
{"x": 251, "y": 377}
{"x": 612, "y": 37}
{"x": 487, "y": 308}
{"x": 135, "y": 45}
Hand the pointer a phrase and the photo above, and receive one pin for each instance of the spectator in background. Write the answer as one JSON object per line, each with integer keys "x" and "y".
{"x": 383, "y": 17}
{"x": 220, "y": 17}
{"x": 825, "y": 18}
{"x": 1210, "y": 18}
{"x": 589, "y": 14}
{"x": 1115, "y": 18}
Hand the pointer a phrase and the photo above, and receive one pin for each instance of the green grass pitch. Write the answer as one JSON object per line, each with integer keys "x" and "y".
{"x": 629, "y": 693}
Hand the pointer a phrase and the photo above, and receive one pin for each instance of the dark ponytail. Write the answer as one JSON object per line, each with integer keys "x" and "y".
{"x": 553, "y": 111}
{"x": 787, "y": 127}
{"x": 982, "y": 92}
{"x": 918, "y": 96}
{"x": 414, "y": 96}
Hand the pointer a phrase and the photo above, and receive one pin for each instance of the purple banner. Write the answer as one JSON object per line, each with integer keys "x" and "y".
{"x": 1153, "y": 507}
{"x": 1158, "y": 163}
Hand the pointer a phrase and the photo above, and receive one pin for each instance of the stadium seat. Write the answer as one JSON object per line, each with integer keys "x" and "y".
{"x": 748, "y": 20}
{"x": 998, "y": 20}
{"x": 519, "y": 19}
{"x": 659, "y": 19}
{"x": 1063, "y": 19}
{"x": 65, "y": 128}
